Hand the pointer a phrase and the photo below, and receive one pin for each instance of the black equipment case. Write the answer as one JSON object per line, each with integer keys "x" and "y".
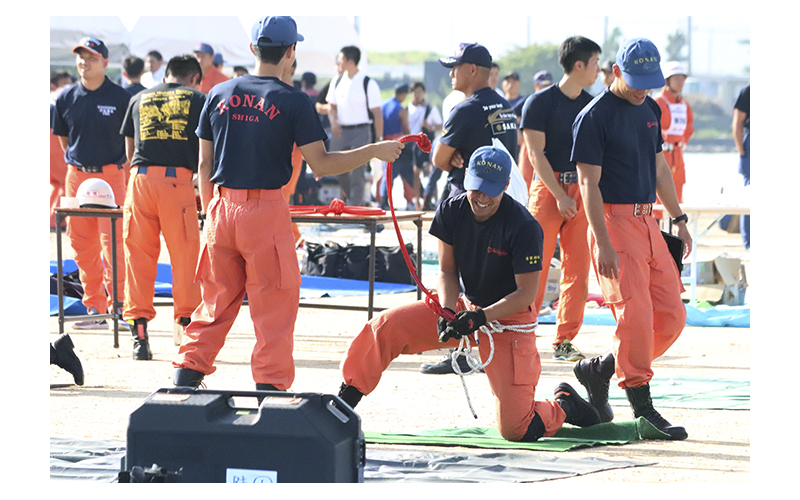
{"x": 212, "y": 436}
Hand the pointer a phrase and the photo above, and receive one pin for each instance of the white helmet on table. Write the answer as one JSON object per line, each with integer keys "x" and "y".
{"x": 96, "y": 193}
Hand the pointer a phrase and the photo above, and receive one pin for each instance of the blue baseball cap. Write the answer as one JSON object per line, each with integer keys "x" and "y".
{"x": 93, "y": 45}
{"x": 205, "y": 49}
{"x": 640, "y": 63}
{"x": 468, "y": 53}
{"x": 488, "y": 171}
{"x": 275, "y": 31}
{"x": 218, "y": 58}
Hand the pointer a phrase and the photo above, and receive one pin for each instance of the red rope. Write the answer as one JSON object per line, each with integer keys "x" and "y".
{"x": 430, "y": 300}
{"x": 337, "y": 207}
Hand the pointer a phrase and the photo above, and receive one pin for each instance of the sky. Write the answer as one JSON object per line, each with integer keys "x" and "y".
{"x": 715, "y": 41}
{"x": 716, "y": 47}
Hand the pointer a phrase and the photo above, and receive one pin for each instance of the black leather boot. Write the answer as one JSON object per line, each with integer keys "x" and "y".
{"x": 62, "y": 354}
{"x": 141, "y": 344}
{"x": 595, "y": 375}
{"x": 642, "y": 405}
{"x": 579, "y": 411}
{"x": 350, "y": 395}
{"x": 186, "y": 377}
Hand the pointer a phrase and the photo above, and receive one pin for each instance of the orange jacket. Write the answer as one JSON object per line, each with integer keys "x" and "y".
{"x": 664, "y": 100}
{"x": 211, "y": 78}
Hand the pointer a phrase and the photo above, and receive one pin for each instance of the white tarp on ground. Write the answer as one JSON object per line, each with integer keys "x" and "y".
{"x": 66, "y": 32}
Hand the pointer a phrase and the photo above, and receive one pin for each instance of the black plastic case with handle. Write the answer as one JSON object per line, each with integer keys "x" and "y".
{"x": 213, "y": 436}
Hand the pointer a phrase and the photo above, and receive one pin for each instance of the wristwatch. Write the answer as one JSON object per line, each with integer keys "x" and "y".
{"x": 680, "y": 218}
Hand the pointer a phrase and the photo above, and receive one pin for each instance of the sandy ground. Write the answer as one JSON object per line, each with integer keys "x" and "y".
{"x": 717, "y": 451}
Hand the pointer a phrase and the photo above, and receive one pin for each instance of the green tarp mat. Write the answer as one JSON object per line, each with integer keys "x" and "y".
{"x": 687, "y": 392}
{"x": 568, "y": 438}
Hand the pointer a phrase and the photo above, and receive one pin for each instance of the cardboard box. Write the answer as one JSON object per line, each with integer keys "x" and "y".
{"x": 721, "y": 281}
{"x": 553, "y": 286}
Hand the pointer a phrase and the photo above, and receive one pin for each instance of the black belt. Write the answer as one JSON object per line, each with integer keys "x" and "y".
{"x": 356, "y": 126}
{"x": 93, "y": 169}
{"x": 567, "y": 177}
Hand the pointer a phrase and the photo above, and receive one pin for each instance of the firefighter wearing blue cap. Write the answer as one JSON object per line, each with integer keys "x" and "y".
{"x": 492, "y": 244}
{"x": 617, "y": 146}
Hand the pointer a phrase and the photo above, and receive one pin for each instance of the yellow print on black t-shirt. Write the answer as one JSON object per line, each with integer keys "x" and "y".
{"x": 164, "y": 115}
{"x": 502, "y": 120}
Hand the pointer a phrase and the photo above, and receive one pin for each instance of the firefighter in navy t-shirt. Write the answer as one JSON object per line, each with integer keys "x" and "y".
{"x": 491, "y": 243}
{"x": 555, "y": 199}
{"x": 621, "y": 167}
{"x": 87, "y": 119}
{"x": 247, "y": 131}
{"x": 476, "y": 120}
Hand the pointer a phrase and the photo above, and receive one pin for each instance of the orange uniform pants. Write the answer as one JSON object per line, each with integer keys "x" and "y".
{"x": 160, "y": 200}
{"x": 90, "y": 238}
{"x": 249, "y": 249}
{"x": 58, "y": 176}
{"x": 575, "y": 258}
{"x": 646, "y": 299}
{"x": 678, "y": 167}
{"x": 513, "y": 372}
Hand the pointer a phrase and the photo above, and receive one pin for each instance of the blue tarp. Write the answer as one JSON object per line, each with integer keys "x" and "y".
{"x": 313, "y": 287}
{"x": 735, "y": 316}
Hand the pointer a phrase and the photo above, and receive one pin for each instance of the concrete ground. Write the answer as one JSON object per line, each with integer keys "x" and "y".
{"x": 717, "y": 451}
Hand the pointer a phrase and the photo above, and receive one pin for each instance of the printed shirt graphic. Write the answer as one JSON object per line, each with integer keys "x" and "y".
{"x": 474, "y": 122}
{"x": 254, "y": 123}
{"x": 162, "y": 122}
{"x": 488, "y": 254}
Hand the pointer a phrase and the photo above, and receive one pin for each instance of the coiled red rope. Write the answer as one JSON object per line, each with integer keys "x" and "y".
{"x": 430, "y": 300}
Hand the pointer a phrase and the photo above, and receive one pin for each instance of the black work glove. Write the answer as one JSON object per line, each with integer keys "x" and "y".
{"x": 465, "y": 323}
{"x": 441, "y": 326}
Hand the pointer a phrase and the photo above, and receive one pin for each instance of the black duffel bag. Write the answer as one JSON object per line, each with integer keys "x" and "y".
{"x": 352, "y": 262}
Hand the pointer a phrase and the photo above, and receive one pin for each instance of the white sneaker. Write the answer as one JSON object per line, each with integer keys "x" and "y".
{"x": 91, "y": 324}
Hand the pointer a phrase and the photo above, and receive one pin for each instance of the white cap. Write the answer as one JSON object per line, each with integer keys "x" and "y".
{"x": 672, "y": 68}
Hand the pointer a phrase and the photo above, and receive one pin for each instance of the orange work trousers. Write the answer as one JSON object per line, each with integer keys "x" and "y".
{"x": 90, "y": 238}
{"x": 249, "y": 249}
{"x": 58, "y": 176}
{"x": 513, "y": 372}
{"x": 160, "y": 200}
{"x": 646, "y": 299}
{"x": 575, "y": 258}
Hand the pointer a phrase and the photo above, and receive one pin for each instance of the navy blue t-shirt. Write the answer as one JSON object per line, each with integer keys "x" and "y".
{"x": 488, "y": 254}
{"x": 623, "y": 139}
{"x": 473, "y": 123}
{"x": 91, "y": 119}
{"x": 254, "y": 123}
{"x": 552, "y": 112}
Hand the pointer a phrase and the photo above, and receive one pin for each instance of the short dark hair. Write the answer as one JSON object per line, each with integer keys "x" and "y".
{"x": 417, "y": 85}
{"x": 270, "y": 55}
{"x": 184, "y": 67}
{"x": 351, "y": 53}
{"x": 309, "y": 78}
{"x": 574, "y": 49}
{"x": 57, "y": 77}
{"x": 156, "y": 54}
{"x": 133, "y": 66}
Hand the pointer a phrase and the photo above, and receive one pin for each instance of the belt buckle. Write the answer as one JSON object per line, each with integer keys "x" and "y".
{"x": 640, "y": 209}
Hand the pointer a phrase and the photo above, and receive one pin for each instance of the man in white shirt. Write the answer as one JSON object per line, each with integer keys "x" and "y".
{"x": 155, "y": 70}
{"x": 422, "y": 117}
{"x": 355, "y": 107}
